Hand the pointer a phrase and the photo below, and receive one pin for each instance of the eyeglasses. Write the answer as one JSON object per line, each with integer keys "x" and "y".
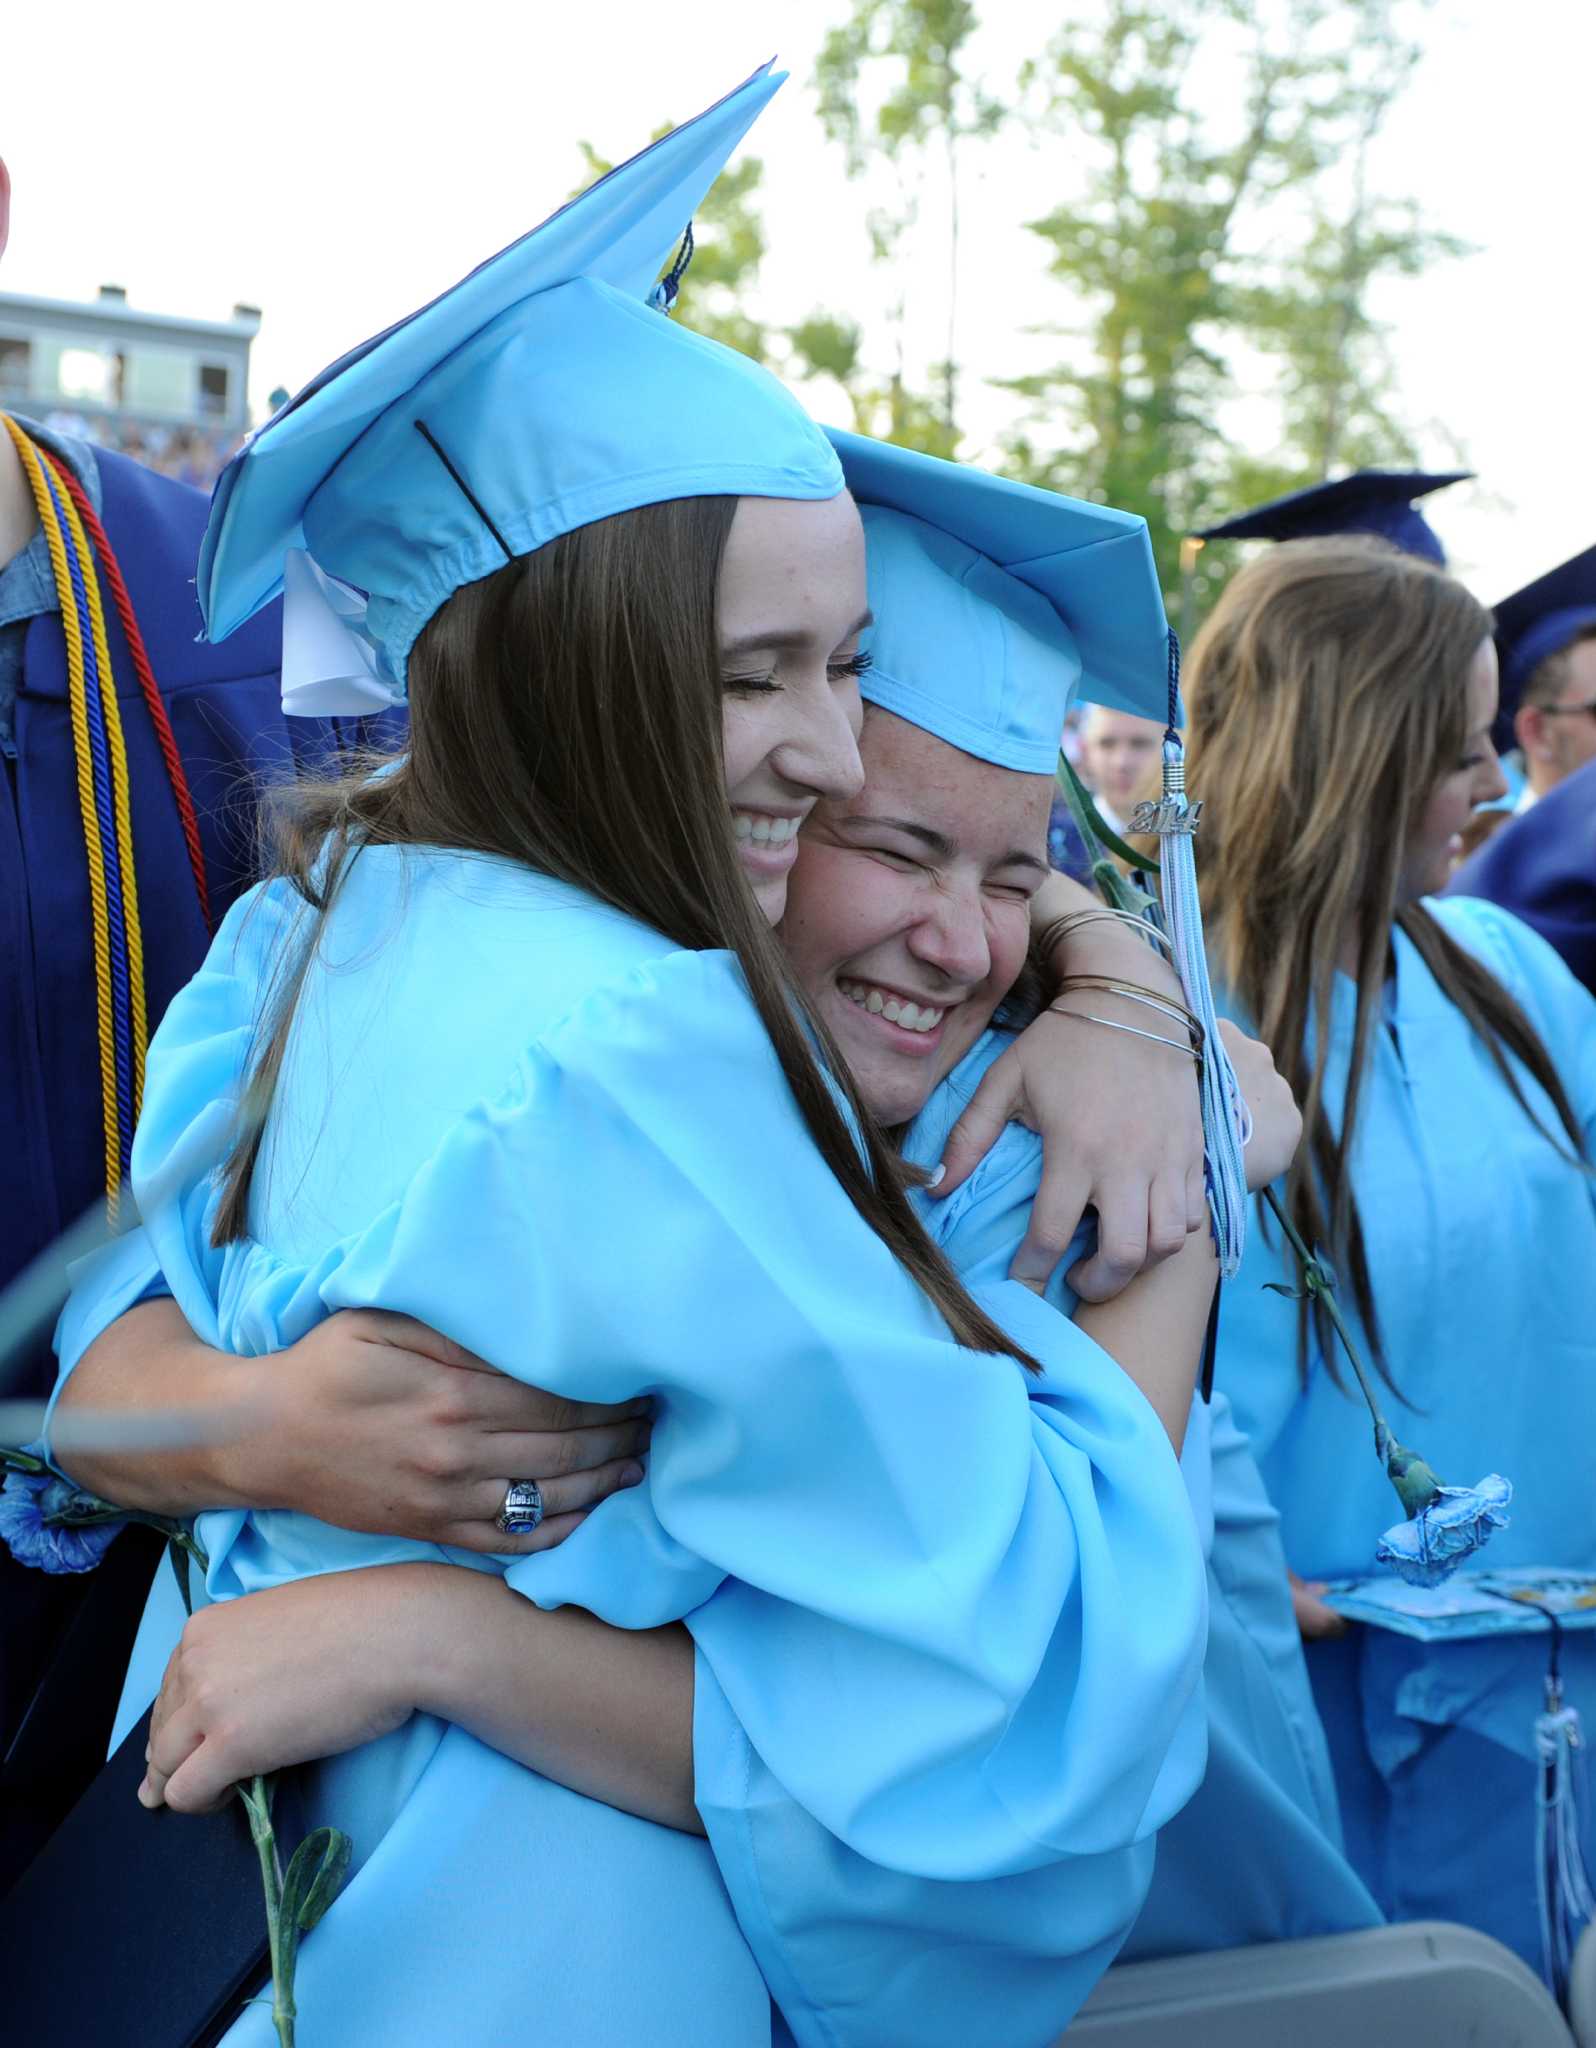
{"x": 1568, "y": 710}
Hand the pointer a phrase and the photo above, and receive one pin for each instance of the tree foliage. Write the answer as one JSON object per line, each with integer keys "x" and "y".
{"x": 1216, "y": 243}
{"x": 909, "y": 55}
{"x": 1211, "y": 239}
{"x": 728, "y": 248}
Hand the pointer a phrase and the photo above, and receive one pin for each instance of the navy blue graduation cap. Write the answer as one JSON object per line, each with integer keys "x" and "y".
{"x": 1380, "y": 501}
{"x": 1539, "y": 621}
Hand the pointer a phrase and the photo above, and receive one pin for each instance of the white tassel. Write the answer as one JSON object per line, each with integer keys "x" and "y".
{"x": 1566, "y": 1900}
{"x": 1226, "y": 1124}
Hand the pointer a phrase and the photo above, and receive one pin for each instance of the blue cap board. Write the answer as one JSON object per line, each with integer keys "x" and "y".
{"x": 542, "y": 392}
{"x": 1380, "y": 501}
{"x": 1539, "y": 621}
{"x": 1546, "y": 616}
{"x": 995, "y": 600}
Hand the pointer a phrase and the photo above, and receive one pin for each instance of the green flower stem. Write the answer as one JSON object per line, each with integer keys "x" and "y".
{"x": 1415, "y": 1483}
{"x": 327, "y": 1849}
{"x": 1094, "y": 830}
{"x": 257, "y": 1803}
{"x": 1316, "y": 1281}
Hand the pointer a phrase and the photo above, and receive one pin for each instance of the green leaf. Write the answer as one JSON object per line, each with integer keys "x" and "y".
{"x": 1280, "y": 1287}
{"x": 1111, "y": 839}
{"x": 315, "y": 1877}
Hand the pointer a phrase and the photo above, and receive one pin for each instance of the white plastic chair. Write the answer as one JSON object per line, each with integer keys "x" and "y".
{"x": 1582, "y": 1989}
{"x": 1426, "y": 1984}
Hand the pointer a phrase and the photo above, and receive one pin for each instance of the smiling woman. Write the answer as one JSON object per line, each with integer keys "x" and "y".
{"x": 1341, "y": 697}
{"x": 908, "y": 918}
{"x": 790, "y": 606}
{"x": 578, "y": 1126}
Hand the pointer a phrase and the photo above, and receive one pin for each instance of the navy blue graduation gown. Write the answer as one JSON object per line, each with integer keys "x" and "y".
{"x": 232, "y": 736}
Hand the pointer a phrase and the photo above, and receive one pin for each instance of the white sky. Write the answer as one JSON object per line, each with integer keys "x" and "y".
{"x": 337, "y": 161}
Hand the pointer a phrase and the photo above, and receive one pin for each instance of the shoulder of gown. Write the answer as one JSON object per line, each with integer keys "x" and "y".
{"x": 1559, "y": 1005}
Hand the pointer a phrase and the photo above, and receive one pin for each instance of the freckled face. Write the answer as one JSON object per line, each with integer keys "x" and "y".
{"x": 1436, "y": 841}
{"x": 907, "y": 913}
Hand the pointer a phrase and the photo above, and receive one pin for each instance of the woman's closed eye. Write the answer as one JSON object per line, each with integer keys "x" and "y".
{"x": 836, "y": 671}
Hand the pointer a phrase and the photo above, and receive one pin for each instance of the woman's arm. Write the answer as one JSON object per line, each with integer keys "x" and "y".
{"x": 316, "y": 1667}
{"x": 1120, "y": 1121}
{"x": 1155, "y": 1328}
{"x": 372, "y": 1422}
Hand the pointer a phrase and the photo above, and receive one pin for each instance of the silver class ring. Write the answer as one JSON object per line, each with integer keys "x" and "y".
{"x": 523, "y": 1507}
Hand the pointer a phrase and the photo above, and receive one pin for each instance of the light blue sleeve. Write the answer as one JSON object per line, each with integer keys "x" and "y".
{"x": 202, "y": 1054}
{"x": 1266, "y": 1809}
{"x": 105, "y": 1285}
{"x": 960, "y": 1609}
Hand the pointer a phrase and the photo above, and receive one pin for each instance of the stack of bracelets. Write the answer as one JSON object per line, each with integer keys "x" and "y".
{"x": 1168, "y": 1007}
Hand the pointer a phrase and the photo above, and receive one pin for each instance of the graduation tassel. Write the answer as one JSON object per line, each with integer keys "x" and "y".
{"x": 1224, "y": 1111}
{"x": 1567, "y": 1904}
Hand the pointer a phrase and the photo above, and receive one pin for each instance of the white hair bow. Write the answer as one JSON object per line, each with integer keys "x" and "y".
{"x": 330, "y": 668}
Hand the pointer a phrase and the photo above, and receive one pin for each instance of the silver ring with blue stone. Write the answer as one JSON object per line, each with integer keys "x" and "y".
{"x": 523, "y": 1507}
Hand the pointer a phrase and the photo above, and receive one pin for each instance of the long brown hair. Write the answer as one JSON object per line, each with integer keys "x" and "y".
{"x": 565, "y": 712}
{"x": 1327, "y": 696}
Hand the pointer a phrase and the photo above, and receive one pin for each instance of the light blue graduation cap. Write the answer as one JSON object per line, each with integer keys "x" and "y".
{"x": 544, "y": 391}
{"x": 994, "y": 601}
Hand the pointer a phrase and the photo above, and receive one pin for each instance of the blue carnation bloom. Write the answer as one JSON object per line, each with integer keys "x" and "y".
{"x": 1455, "y": 1524}
{"x": 36, "y": 1509}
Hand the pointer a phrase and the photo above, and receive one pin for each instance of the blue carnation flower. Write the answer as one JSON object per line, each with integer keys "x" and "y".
{"x": 37, "y": 1510}
{"x": 1455, "y": 1524}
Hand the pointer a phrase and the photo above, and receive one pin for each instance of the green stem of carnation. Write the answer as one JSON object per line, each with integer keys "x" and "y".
{"x": 1099, "y": 839}
{"x": 1317, "y": 1282}
{"x": 257, "y": 1804}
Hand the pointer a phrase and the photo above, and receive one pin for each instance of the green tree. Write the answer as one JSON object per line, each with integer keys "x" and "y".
{"x": 914, "y": 50}
{"x": 1193, "y": 242}
{"x": 1337, "y": 385}
{"x": 728, "y": 247}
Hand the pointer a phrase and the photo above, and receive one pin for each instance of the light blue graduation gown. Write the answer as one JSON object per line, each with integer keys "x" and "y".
{"x": 949, "y": 1617}
{"x": 1482, "y": 1248}
{"x": 1256, "y": 1854}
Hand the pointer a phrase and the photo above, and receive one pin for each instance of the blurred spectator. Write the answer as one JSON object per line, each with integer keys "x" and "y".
{"x": 1120, "y": 762}
{"x": 194, "y": 455}
{"x": 1546, "y": 637}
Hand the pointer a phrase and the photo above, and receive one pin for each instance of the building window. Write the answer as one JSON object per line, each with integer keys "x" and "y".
{"x": 85, "y": 373}
{"x": 213, "y": 389}
{"x": 14, "y": 365}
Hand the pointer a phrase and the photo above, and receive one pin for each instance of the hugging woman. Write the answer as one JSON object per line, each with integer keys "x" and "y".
{"x": 511, "y": 1048}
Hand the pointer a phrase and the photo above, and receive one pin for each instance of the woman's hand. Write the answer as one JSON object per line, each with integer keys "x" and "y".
{"x": 376, "y": 1422}
{"x": 1316, "y": 1619}
{"x": 283, "y": 1676}
{"x": 371, "y": 1421}
{"x": 321, "y": 1665}
{"x": 1276, "y": 1120}
{"x": 1120, "y": 1119}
